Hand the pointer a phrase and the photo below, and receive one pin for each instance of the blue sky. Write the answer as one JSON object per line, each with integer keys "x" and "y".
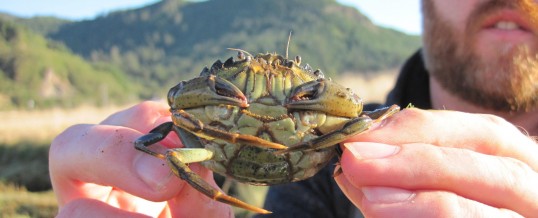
{"x": 403, "y": 15}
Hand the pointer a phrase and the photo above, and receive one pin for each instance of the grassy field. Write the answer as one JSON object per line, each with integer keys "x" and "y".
{"x": 16, "y": 201}
{"x": 372, "y": 89}
{"x": 25, "y": 137}
{"x": 40, "y": 126}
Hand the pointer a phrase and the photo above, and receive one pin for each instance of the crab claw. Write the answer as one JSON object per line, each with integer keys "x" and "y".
{"x": 205, "y": 90}
{"x": 326, "y": 96}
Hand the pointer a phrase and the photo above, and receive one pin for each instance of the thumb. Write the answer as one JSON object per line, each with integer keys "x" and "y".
{"x": 85, "y": 207}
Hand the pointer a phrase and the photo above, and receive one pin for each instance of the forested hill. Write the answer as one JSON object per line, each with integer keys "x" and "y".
{"x": 139, "y": 53}
{"x": 174, "y": 39}
{"x": 39, "y": 73}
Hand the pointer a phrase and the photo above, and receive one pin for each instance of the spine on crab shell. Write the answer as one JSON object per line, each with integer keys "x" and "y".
{"x": 216, "y": 66}
{"x": 229, "y": 63}
{"x": 205, "y": 72}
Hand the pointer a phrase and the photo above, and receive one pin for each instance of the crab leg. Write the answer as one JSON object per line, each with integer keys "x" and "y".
{"x": 351, "y": 128}
{"x": 155, "y": 135}
{"x": 382, "y": 113}
{"x": 178, "y": 159}
{"x": 175, "y": 160}
{"x": 189, "y": 123}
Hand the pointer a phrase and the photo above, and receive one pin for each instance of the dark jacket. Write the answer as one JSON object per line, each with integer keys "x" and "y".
{"x": 320, "y": 196}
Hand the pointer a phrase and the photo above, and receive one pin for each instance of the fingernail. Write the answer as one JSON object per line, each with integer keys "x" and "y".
{"x": 369, "y": 150}
{"x": 152, "y": 171}
{"x": 387, "y": 195}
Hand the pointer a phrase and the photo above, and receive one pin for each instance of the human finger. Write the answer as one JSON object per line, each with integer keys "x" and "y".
{"x": 142, "y": 117}
{"x": 486, "y": 134}
{"x": 93, "y": 208}
{"x": 86, "y": 158}
{"x": 376, "y": 201}
{"x": 493, "y": 180}
{"x": 192, "y": 203}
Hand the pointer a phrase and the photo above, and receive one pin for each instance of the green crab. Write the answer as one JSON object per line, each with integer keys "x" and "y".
{"x": 261, "y": 119}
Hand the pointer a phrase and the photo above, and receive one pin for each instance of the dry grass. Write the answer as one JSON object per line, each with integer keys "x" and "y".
{"x": 372, "y": 89}
{"x": 41, "y": 126}
{"x": 17, "y": 202}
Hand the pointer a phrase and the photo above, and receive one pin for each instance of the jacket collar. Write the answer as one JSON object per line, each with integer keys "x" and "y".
{"x": 412, "y": 85}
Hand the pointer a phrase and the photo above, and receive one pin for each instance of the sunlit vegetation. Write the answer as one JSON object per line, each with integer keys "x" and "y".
{"x": 172, "y": 40}
{"x": 24, "y": 181}
{"x": 40, "y": 73}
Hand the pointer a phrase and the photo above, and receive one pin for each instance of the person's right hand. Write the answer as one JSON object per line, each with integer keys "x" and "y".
{"x": 96, "y": 171}
{"x": 440, "y": 163}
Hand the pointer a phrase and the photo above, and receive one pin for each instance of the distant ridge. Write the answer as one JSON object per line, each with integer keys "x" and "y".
{"x": 143, "y": 51}
{"x": 175, "y": 39}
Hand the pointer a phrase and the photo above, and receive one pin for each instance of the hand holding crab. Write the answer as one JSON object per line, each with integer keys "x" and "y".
{"x": 442, "y": 164}
{"x": 95, "y": 171}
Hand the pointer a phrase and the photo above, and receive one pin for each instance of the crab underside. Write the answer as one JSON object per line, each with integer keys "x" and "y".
{"x": 261, "y": 120}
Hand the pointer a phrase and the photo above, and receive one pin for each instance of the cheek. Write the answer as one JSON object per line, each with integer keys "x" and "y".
{"x": 454, "y": 12}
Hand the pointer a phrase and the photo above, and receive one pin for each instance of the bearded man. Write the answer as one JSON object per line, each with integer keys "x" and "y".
{"x": 479, "y": 57}
{"x": 473, "y": 156}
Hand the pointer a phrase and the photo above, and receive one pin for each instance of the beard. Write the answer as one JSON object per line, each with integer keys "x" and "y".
{"x": 507, "y": 83}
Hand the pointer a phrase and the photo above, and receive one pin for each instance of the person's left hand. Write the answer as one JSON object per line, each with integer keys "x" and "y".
{"x": 421, "y": 163}
{"x": 96, "y": 171}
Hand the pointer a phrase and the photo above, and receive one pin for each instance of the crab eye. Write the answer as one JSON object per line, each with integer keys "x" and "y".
{"x": 298, "y": 60}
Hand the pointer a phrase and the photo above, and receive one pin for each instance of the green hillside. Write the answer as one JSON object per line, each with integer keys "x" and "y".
{"x": 39, "y": 73}
{"x": 172, "y": 40}
{"x": 39, "y": 24}
{"x": 139, "y": 53}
